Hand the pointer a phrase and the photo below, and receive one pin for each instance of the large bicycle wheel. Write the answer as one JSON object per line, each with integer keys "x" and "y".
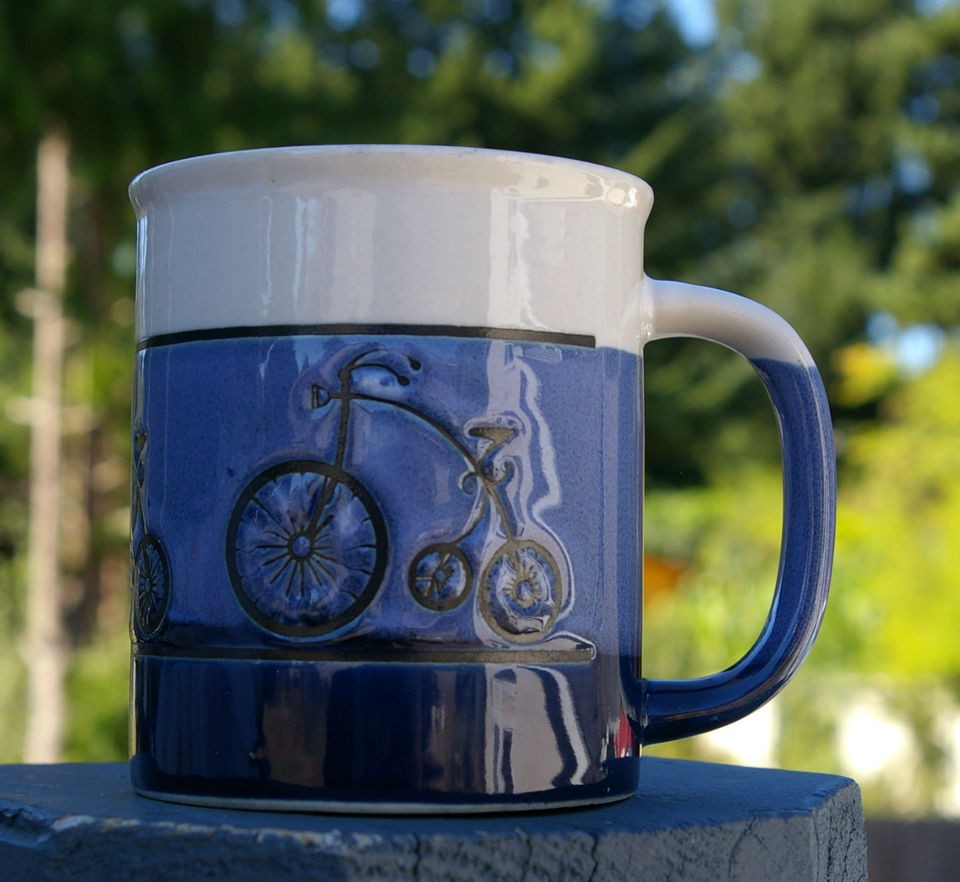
{"x": 521, "y": 592}
{"x": 306, "y": 548}
{"x": 151, "y": 587}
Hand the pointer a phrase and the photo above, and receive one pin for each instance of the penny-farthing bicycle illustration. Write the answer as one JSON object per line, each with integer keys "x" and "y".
{"x": 307, "y": 542}
{"x": 150, "y": 570}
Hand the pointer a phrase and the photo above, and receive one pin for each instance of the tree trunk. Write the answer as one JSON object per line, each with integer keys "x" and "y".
{"x": 45, "y": 644}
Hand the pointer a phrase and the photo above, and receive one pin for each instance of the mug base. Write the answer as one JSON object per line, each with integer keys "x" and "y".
{"x": 360, "y": 807}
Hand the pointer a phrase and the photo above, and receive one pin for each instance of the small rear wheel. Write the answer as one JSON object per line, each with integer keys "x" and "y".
{"x": 440, "y": 577}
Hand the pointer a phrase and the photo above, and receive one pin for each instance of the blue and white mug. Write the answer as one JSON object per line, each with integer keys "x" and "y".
{"x": 387, "y": 482}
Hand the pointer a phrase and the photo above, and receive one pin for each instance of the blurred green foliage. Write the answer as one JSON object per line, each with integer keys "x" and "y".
{"x": 890, "y": 635}
{"x": 894, "y": 607}
{"x": 808, "y": 157}
{"x": 898, "y": 530}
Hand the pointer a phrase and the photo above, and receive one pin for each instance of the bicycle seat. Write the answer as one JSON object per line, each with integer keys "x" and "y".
{"x": 496, "y": 435}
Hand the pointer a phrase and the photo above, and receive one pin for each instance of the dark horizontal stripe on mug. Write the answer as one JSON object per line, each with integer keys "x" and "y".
{"x": 365, "y": 654}
{"x": 520, "y": 335}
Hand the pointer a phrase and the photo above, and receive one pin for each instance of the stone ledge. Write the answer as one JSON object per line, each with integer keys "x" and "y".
{"x": 689, "y": 821}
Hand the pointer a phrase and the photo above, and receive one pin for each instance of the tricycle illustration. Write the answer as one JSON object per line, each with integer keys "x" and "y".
{"x": 307, "y": 543}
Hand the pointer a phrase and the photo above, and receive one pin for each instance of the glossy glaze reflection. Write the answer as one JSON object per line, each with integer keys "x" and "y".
{"x": 393, "y": 732}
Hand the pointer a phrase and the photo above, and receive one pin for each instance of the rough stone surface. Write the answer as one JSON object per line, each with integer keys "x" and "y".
{"x": 689, "y": 821}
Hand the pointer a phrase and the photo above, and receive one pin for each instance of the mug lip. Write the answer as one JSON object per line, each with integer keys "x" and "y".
{"x": 284, "y": 166}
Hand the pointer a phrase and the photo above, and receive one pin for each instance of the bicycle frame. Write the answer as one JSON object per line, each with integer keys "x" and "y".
{"x": 481, "y": 468}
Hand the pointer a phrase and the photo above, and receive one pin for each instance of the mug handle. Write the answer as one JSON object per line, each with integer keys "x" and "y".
{"x": 663, "y": 710}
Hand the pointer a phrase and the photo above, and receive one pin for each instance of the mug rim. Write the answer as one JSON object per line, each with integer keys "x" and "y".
{"x": 283, "y": 166}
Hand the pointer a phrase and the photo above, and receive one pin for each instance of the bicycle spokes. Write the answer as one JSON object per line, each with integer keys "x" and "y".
{"x": 521, "y": 592}
{"x": 306, "y": 548}
{"x": 441, "y": 577}
{"x": 151, "y": 586}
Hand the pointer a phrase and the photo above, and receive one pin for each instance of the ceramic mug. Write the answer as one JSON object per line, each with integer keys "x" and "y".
{"x": 386, "y": 504}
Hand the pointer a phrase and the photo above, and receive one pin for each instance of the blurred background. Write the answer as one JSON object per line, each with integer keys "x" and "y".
{"x": 805, "y": 153}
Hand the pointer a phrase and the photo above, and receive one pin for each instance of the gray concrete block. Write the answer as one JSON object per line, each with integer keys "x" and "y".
{"x": 689, "y": 821}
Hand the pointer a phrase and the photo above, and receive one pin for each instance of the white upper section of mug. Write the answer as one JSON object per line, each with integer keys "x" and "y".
{"x": 390, "y": 235}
